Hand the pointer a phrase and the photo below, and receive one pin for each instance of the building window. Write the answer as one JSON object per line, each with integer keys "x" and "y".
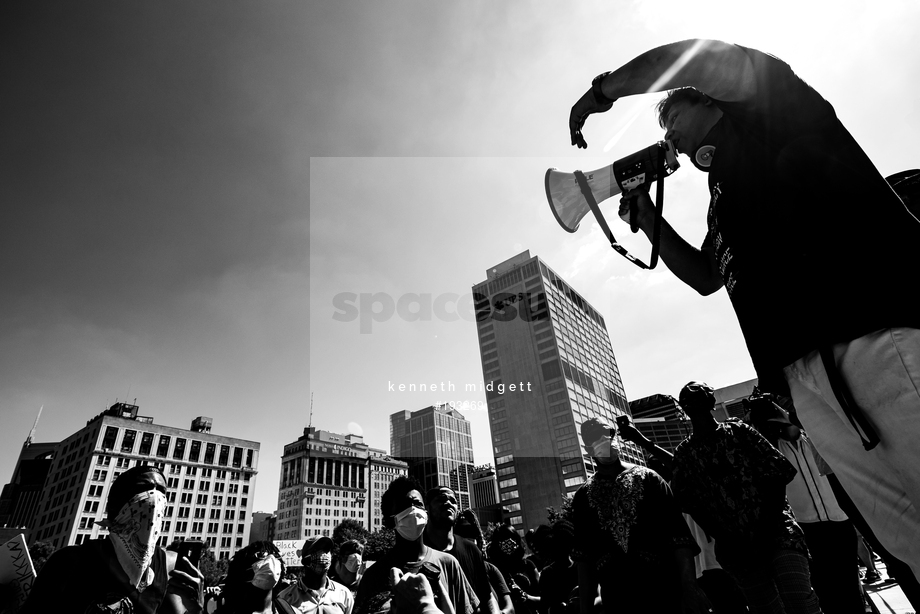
{"x": 111, "y": 434}
{"x": 179, "y": 450}
{"x": 224, "y": 455}
{"x": 163, "y": 446}
{"x": 194, "y": 451}
{"x": 146, "y": 444}
{"x": 209, "y": 451}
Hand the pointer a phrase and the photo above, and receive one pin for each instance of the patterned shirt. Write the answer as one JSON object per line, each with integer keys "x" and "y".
{"x": 629, "y": 518}
{"x": 727, "y": 479}
{"x": 332, "y": 598}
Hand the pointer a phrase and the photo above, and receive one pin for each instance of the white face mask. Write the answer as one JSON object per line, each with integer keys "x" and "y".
{"x": 604, "y": 452}
{"x": 411, "y": 522}
{"x": 267, "y": 572}
{"x": 353, "y": 562}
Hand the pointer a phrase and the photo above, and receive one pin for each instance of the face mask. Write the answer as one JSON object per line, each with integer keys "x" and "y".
{"x": 266, "y": 572}
{"x": 604, "y": 452}
{"x": 411, "y": 522}
{"x": 135, "y": 531}
{"x": 318, "y": 562}
{"x": 353, "y": 562}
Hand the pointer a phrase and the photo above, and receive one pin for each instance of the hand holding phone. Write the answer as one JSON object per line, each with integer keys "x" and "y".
{"x": 191, "y": 550}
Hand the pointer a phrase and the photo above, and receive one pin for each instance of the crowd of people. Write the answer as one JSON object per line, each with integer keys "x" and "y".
{"x": 741, "y": 517}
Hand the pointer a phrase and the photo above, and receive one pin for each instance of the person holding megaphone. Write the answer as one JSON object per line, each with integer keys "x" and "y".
{"x": 814, "y": 248}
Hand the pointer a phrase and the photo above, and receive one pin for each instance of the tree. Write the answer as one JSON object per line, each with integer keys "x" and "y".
{"x": 347, "y": 530}
{"x": 40, "y": 552}
{"x": 564, "y": 513}
{"x": 379, "y": 543}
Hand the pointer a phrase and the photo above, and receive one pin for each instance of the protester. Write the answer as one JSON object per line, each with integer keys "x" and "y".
{"x": 315, "y": 591}
{"x": 630, "y": 536}
{"x": 506, "y": 551}
{"x": 789, "y": 188}
{"x": 348, "y": 565}
{"x": 253, "y": 573}
{"x": 443, "y": 511}
{"x": 559, "y": 579}
{"x": 404, "y": 510}
{"x": 829, "y": 534}
{"x": 125, "y": 571}
{"x": 467, "y": 526}
{"x": 720, "y": 588}
{"x": 535, "y": 540}
{"x": 732, "y": 482}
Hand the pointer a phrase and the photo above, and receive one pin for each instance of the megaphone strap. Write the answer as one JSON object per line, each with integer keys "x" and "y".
{"x": 656, "y": 232}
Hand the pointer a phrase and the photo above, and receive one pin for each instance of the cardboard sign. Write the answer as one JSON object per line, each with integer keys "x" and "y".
{"x": 289, "y": 548}
{"x": 16, "y": 568}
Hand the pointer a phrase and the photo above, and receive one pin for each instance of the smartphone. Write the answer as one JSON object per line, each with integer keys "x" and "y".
{"x": 622, "y": 421}
{"x": 191, "y": 550}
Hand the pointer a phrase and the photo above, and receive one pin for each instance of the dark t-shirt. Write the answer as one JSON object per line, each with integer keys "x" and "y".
{"x": 557, "y": 581}
{"x": 87, "y": 578}
{"x": 813, "y": 245}
{"x": 497, "y": 580}
{"x": 470, "y": 558}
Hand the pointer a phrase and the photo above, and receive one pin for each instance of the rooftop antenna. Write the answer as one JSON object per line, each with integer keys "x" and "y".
{"x": 34, "y": 426}
{"x": 310, "y": 422}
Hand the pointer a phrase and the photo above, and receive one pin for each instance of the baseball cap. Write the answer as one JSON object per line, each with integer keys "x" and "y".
{"x": 317, "y": 542}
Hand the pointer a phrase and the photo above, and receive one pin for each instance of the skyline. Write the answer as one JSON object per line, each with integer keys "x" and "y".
{"x": 188, "y": 188}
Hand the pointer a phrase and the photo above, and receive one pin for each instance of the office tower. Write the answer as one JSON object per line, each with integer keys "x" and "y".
{"x": 437, "y": 445}
{"x": 659, "y": 418}
{"x": 210, "y": 479}
{"x": 383, "y": 470}
{"x": 20, "y": 497}
{"x": 484, "y": 486}
{"x": 327, "y": 477}
{"x": 548, "y": 366}
{"x": 263, "y": 527}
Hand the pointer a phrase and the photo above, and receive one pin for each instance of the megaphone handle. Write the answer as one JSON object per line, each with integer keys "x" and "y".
{"x": 633, "y": 214}
{"x": 659, "y": 209}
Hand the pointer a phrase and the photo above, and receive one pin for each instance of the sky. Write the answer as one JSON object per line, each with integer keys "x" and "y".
{"x": 197, "y": 197}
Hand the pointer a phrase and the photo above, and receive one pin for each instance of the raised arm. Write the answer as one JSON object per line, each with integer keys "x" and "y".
{"x": 719, "y": 70}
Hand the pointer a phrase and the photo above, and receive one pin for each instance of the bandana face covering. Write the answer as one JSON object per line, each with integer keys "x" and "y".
{"x": 508, "y": 546}
{"x": 411, "y": 522}
{"x": 266, "y": 573}
{"x": 318, "y": 562}
{"x": 135, "y": 531}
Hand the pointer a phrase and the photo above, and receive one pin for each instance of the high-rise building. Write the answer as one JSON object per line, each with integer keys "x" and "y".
{"x": 659, "y": 418}
{"x": 383, "y": 470}
{"x": 263, "y": 527}
{"x": 484, "y": 486}
{"x": 327, "y": 477}
{"x": 210, "y": 479}
{"x": 437, "y": 444}
{"x": 19, "y": 500}
{"x": 548, "y": 366}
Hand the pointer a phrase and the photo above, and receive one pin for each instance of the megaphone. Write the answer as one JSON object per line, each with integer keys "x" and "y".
{"x": 572, "y": 195}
